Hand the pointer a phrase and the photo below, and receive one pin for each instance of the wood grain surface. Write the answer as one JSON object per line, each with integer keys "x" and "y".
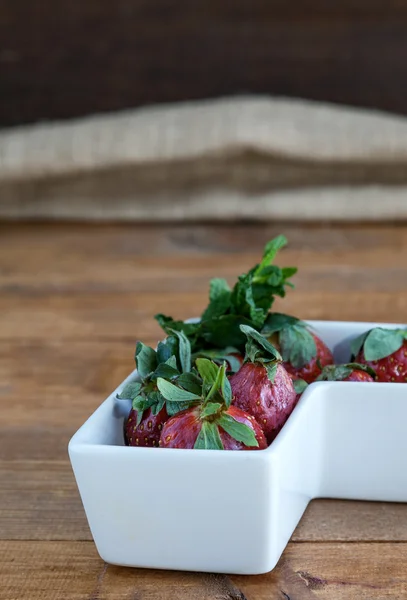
{"x": 73, "y": 301}
{"x": 67, "y": 59}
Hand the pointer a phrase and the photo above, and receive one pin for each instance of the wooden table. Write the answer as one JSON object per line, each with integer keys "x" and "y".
{"x": 73, "y": 301}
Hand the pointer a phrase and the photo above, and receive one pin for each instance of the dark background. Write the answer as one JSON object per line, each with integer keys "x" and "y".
{"x": 63, "y": 58}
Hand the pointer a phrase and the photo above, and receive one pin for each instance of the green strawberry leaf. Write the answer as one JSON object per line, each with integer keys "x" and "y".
{"x": 219, "y": 299}
{"x": 341, "y": 372}
{"x": 276, "y": 322}
{"x": 271, "y": 369}
{"x": 167, "y": 349}
{"x": 270, "y": 275}
{"x": 381, "y": 343}
{"x": 175, "y": 394}
{"x": 359, "y": 367}
{"x": 334, "y": 373}
{"x": 215, "y": 378}
{"x": 213, "y": 438}
{"x": 175, "y": 407}
{"x": 169, "y": 325}
{"x": 270, "y": 252}
{"x": 357, "y": 344}
{"x": 300, "y": 385}
{"x": 165, "y": 371}
{"x": 254, "y": 292}
{"x": 297, "y": 346}
{"x": 246, "y": 300}
{"x": 238, "y": 297}
{"x": 141, "y": 403}
{"x": 289, "y": 272}
{"x": 172, "y": 362}
{"x": 263, "y": 298}
{"x": 247, "y": 304}
{"x": 207, "y": 370}
{"x": 256, "y": 312}
{"x": 208, "y": 438}
{"x": 211, "y": 408}
{"x": 159, "y": 402}
{"x": 218, "y": 383}
{"x": 146, "y": 360}
{"x": 184, "y": 351}
{"x": 219, "y": 356}
{"x": 130, "y": 391}
{"x": 260, "y": 343}
{"x": 234, "y": 363}
{"x": 190, "y": 382}
{"x": 226, "y": 391}
{"x": 200, "y": 442}
{"x": 238, "y": 431}
{"x": 224, "y": 331}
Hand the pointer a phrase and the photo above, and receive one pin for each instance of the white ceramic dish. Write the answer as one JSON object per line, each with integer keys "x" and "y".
{"x": 234, "y": 512}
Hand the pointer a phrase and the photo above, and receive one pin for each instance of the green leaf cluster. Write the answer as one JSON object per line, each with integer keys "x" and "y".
{"x": 295, "y": 339}
{"x": 378, "y": 343}
{"x": 247, "y": 303}
{"x": 170, "y": 361}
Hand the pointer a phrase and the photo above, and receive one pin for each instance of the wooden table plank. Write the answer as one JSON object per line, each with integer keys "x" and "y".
{"x": 53, "y": 257}
{"x": 339, "y": 571}
{"x": 328, "y": 272}
{"x": 57, "y": 383}
{"x": 159, "y": 239}
{"x": 352, "y": 521}
{"x": 60, "y": 570}
{"x": 39, "y": 500}
{"x": 130, "y": 316}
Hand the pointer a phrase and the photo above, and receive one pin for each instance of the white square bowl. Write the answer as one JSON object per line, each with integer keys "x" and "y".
{"x": 234, "y": 511}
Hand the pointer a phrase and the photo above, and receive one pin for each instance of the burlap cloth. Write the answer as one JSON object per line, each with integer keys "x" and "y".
{"x": 245, "y": 157}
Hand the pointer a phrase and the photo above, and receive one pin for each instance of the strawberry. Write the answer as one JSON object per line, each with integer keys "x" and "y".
{"x": 304, "y": 353}
{"x": 384, "y": 351}
{"x": 147, "y": 431}
{"x": 185, "y": 428}
{"x": 212, "y": 423}
{"x": 262, "y": 387}
{"x": 150, "y": 410}
{"x": 347, "y": 372}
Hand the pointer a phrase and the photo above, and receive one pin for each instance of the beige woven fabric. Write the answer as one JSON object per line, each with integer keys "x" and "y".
{"x": 257, "y": 158}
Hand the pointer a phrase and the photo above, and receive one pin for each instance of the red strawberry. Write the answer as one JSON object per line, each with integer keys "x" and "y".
{"x": 384, "y": 351}
{"x": 211, "y": 423}
{"x": 358, "y": 375}
{"x": 304, "y": 353}
{"x": 347, "y": 372}
{"x": 147, "y": 432}
{"x": 240, "y": 416}
{"x": 183, "y": 429}
{"x": 149, "y": 411}
{"x": 262, "y": 387}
